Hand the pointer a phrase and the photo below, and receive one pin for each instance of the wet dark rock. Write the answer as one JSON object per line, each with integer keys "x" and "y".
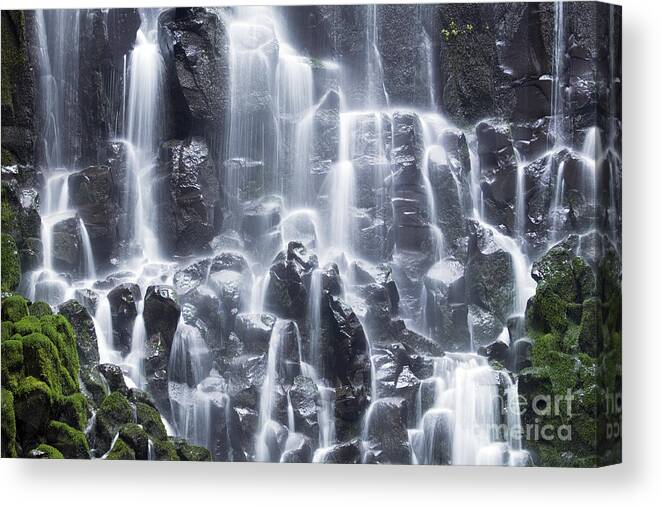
{"x": 498, "y": 168}
{"x": 522, "y": 352}
{"x": 88, "y": 298}
{"x": 161, "y": 313}
{"x": 254, "y": 330}
{"x": 196, "y": 48}
{"x": 191, "y": 277}
{"x": 259, "y": 227}
{"x": 289, "y": 276}
{"x": 306, "y": 403}
{"x": 345, "y": 452}
{"x": 95, "y": 195}
{"x": 124, "y": 308}
{"x": 301, "y": 451}
{"x": 114, "y": 377}
{"x": 189, "y": 213}
{"x": 83, "y": 325}
{"x": 387, "y": 438}
{"x": 67, "y": 248}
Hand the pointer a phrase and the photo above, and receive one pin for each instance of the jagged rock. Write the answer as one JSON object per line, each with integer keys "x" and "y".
{"x": 306, "y": 403}
{"x": 298, "y": 452}
{"x": 161, "y": 313}
{"x": 124, "y": 308}
{"x": 195, "y": 44}
{"x": 346, "y": 452}
{"x": 94, "y": 193}
{"x": 191, "y": 277}
{"x": 254, "y": 330}
{"x": 259, "y": 227}
{"x": 66, "y": 246}
{"x": 83, "y": 325}
{"x": 190, "y": 214}
{"x": 286, "y": 294}
{"x": 387, "y": 438}
{"x": 114, "y": 377}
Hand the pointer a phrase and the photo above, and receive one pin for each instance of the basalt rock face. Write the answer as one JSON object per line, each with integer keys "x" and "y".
{"x": 195, "y": 43}
{"x": 189, "y": 211}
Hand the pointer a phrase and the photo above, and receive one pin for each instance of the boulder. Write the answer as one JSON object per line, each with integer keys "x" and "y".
{"x": 305, "y": 402}
{"x": 254, "y": 331}
{"x": 83, "y": 325}
{"x": 386, "y": 435}
{"x": 161, "y": 313}
{"x": 66, "y": 246}
{"x": 195, "y": 45}
{"x": 189, "y": 216}
{"x": 124, "y": 301}
{"x": 114, "y": 377}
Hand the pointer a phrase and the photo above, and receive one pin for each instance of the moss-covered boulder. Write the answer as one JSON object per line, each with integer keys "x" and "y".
{"x": 83, "y": 325}
{"x": 14, "y": 308}
{"x": 69, "y": 441}
{"x": 10, "y": 264}
{"x": 40, "y": 309}
{"x": 45, "y": 451}
{"x": 137, "y": 439}
{"x": 120, "y": 451}
{"x": 150, "y": 420}
{"x": 41, "y": 360}
{"x": 73, "y": 410}
{"x": 114, "y": 412}
{"x": 8, "y": 419}
{"x": 33, "y": 401}
{"x": 164, "y": 450}
{"x": 12, "y": 363}
{"x": 189, "y": 452}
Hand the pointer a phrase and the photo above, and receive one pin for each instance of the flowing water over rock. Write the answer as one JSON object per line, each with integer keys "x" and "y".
{"x": 294, "y": 253}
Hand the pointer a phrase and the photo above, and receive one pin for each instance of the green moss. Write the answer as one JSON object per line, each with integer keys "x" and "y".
{"x": 69, "y": 441}
{"x": 8, "y": 330}
{"x": 28, "y": 325}
{"x": 546, "y": 311}
{"x": 14, "y": 52}
{"x": 14, "y": 308}
{"x": 151, "y": 421}
{"x": 561, "y": 368}
{"x": 41, "y": 360}
{"x": 45, "y": 451}
{"x": 189, "y": 452}
{"x": 33, "y": 402}
{"x": 10, "y": 264}
{"x": 114, "y": 412}
{"x": 164, "y": 451}
{"x": 12, "y": 363}
{"x": 8, "y": 425}
{"x": 72, "y": 410}
{"x": 121, "y": 451}
{"x": 40, "y": 308}
{"x": 61, "y": 333}
{"x": 137, "y": 439}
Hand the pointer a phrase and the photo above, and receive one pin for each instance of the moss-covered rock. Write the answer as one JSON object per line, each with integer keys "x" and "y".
{"x": 71, "y": 442}
{"x": 14, "y": 308}
{"x": 28, "y": 325}
{"x": 164, "y": 450}
{"x": 8, "y": 330}
{"x": 41, "y": 360}
{"x": 189, "y": 452}
{"x": 8, "y": 425}
{"x": 61, "y": 333}
{"x": 12, "y": 363}
{"x": 120, "y": 451}
{"x": 114, "y": 412}
{"x": 137, "y": 439}
{"x": 45, "y": 451}
{"x": 151, "y": 421}
{"x": 73, "y": 410}
{"x": 10, "y": 264}
{"x": 83, "y": 326}
{"x": 40, "y": 309}
{"x": 33, "y": 402}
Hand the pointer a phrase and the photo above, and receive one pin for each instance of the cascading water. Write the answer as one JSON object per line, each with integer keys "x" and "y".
{"x": 144, "y": 109}
{"x": 342, "y": 212}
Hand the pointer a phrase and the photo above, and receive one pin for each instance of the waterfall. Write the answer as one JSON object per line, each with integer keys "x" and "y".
{"x": 88, "y": 255}
{"x": 145, "y": 76}
{"x": 269, "y": 392}
{"x": 136, "y": 358}
{"x": 465, "y": 409}
{"x": 104, "y": 333}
